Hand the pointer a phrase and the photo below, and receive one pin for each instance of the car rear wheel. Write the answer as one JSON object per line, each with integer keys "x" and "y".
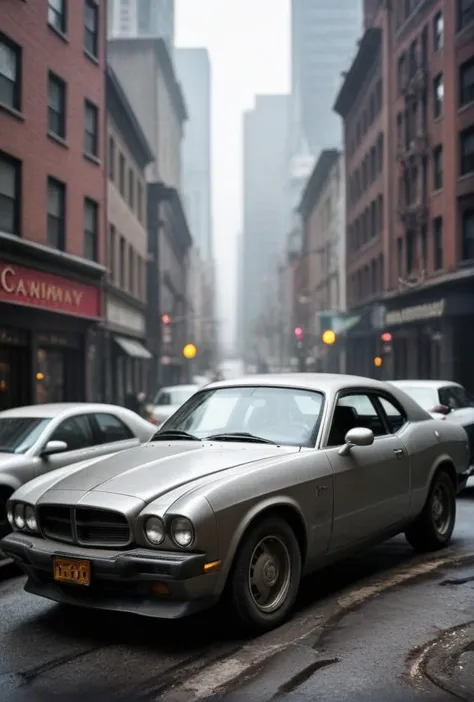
{"x": 266, "y": 575}
{"x": 434, "y": 527}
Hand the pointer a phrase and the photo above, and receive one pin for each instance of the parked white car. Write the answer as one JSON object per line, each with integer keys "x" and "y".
{"x": 168, "y": 400}
{"x": 41, "y": 438}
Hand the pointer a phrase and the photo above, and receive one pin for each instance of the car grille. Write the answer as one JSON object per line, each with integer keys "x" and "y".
{"x": 85, "y": 527}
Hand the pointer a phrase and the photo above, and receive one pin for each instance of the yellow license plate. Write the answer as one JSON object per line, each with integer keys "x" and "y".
{"x": 69, "y": 570}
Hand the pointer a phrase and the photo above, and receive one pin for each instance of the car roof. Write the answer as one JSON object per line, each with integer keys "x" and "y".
{"x": 168, "y": 388}
{"x": 428, "y": 384}
{"x": 324, "y": 382}
{"x": 52, "y": 410}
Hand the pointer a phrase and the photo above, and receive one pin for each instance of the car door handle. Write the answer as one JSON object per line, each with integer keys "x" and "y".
{"x": 398, "y": 452}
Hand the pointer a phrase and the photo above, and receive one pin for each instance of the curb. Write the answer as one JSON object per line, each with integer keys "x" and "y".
{"x": 216, "y": 678}
{"x": 441, "y": 657}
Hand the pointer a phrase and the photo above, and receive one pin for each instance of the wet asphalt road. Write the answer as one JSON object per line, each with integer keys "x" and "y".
{"x": 47, "y": 651}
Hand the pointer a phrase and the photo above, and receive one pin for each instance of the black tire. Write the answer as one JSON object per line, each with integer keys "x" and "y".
{"x": 427, "y": 533}
{"x": 5, "y": 494}
{"x": 279, "y": 536}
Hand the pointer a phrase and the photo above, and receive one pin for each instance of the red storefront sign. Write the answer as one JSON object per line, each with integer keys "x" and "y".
{"x": 25, "y": 286}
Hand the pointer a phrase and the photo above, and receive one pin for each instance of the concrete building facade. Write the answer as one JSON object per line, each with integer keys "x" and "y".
{"x": 129, "y": 19}
{"x": 52, "y": 200}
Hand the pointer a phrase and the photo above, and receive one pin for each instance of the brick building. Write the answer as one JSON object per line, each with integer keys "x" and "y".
{"x": 52, "y": 198}
{"x": 426, "y": 240}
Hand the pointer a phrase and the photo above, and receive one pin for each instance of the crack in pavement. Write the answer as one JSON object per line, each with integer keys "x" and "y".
{"x": 457, "y": 581}
{"x": 303, "y": 675}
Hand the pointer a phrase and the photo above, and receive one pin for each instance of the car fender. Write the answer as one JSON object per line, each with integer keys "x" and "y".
{"x": 250, "y": 515}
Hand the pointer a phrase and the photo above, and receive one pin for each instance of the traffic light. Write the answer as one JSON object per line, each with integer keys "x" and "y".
{"x": 386, "y": 337}
{"x": 189, "y": 351}
{"x": 166, "y": 319}
{"x": 328, "y": 337}
{"x": 299, "y": 333}
{"x": 378, "y": 361}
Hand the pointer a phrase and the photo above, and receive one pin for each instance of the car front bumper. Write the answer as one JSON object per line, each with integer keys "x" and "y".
{"x": 125, "y": 581}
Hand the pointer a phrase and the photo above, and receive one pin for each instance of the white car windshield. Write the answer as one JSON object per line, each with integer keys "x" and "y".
{"x": 18, "y": 434}
{"x": 174, "y": 396}
{"x": 426, "y": 397}
{"x": 281, "y": 415}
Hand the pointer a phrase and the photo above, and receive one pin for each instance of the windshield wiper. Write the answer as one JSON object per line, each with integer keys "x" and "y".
{"x": 239, "y": 436}
{"x": 174, "y": 434}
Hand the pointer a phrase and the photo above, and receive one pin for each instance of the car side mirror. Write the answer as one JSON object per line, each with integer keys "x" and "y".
{"x": 53, "y": 447}
{"x": 359, "y": 436}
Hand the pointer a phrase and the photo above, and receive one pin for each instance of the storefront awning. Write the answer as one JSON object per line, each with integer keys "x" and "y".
{"x": 132, "y": 347}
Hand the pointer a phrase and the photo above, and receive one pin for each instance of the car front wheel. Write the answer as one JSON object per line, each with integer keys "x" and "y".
{"x": 434, "y": 527}
{"x": 266, "y": 575}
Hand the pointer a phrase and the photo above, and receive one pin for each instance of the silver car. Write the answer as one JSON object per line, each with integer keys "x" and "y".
{"x": 251, "y": 484}
{"x": 42, "y": 438}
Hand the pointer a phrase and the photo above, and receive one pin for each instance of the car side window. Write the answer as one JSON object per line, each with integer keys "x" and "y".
{"x": 111, "y": 428}
{"x": 351, "y": 412}
{"x": 76, "y": 432}
{"x": 448, "y": 398}
{"x": 163, "y": 398}
{"x": 394, "y": 417}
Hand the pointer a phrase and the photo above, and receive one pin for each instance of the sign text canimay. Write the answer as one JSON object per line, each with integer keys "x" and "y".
{"x": 416, "y": 313}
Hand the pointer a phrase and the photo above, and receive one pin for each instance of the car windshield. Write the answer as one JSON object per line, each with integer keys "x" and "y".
{"x": 174, "y": 396}
{"x": 426, "y": 397}
{"x": 281, "y": 415}
{"x": 18, "y": 434}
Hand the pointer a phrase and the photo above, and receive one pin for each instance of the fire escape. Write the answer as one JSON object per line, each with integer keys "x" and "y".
{"x": 412, "y": 153}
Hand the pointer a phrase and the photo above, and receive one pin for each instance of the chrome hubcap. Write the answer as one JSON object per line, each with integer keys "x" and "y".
{"x": 269, "y": 574}
{"x": 441, "y": 509}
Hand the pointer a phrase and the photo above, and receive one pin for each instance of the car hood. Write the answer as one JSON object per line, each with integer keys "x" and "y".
{"x": 13, "y": 460}
{"x": 152, "y": 470}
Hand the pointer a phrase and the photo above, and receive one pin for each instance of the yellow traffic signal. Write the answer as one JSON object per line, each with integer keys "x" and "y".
{"x": 189, "y": 351}
{"x": 378, "y": 361}
{"x": 328, "y": 337}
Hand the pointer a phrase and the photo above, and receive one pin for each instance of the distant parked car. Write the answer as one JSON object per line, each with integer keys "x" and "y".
{"x": 41, "y": 438}
{"x": 168, "y": 400}
{"x": 443, "y": 399}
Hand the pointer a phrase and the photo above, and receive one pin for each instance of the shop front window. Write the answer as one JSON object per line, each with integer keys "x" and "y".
{"x": 49, "y": 376}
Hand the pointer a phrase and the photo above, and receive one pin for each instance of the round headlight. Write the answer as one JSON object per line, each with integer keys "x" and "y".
{"x": 19, "y": 517}
{"x": 10, "y": 515}
{"x": 154, "y": 530}
{"x": 30, "y": 518}
{"x": 182, "y": 532}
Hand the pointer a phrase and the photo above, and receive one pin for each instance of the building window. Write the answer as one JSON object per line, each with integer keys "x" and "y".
{"x": 56, "y": 214}
{"x": 438, "y": 243}
{"x": 57, "y": 15}
{"x": 380, "y": 209}
{"x": 410, "y": 252}
{"x": 10, "y": 73}
{"x": 112, "y": 251}
{"x": 468, "y": 235}
{"x": 91, "y": 129}
{"x": 438, "y": 96}
{"x": 56, "y": 106}
{"x": 400, "y": 257}
{"x": 465, "y": 13}
{"x": 131, "y": 271}
{"x": 466, "y": 82}
{"x": 10, "y": 194}
{"x": 131, "y": 189}
{"x": 122, "y": 262}
{"x": 122, "y": 175}
{"x": 401, "y": 71}
{"x": 140, "y": 201}
{"x": 438, "y": 31}
{"x": 467, "y": 151}
{"x": 91, "y": 27}
{"x": 438, "y": 168}
{"x": 111, "y": 163}
{"x": 91, "y": 225}
{"x": 424, "y": 246}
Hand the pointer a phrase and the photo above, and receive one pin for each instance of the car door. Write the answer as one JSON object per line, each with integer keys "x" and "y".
{"x": 371, "y": 483}
{"x": 77, "y": 432}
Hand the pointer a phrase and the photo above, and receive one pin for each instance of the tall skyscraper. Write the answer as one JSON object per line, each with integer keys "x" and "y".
{"x": 141, "y": 18}
{"x": 194, "y": 73}
{"x": 265, "y": 217}
{"x": 324, "y": 41}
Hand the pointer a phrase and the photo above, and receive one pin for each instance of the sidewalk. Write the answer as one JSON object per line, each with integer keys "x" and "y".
{"x": 449, "y": 664}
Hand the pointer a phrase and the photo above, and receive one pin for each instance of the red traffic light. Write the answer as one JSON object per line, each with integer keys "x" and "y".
{"x": 299, "y": 332}
{"x": 386, "y": 337}
{"x": 165, "y": 318}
